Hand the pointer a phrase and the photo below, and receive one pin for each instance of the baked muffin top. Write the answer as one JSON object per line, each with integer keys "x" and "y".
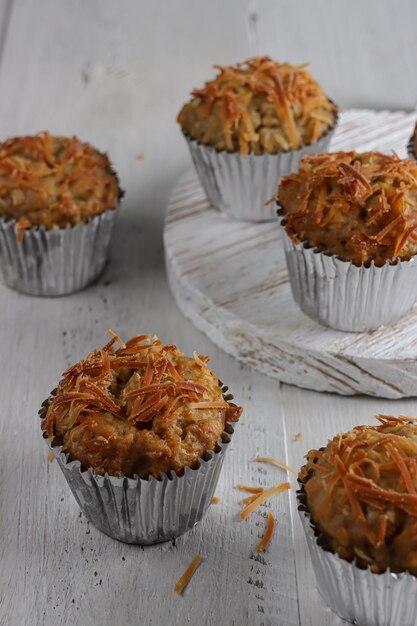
{"x": 362, "y": 494}
{"x": 142, "y": 409}
{"x": 360, "y": 207}
{"x": 54, "y": 181}
{"x": 258, "y": 106}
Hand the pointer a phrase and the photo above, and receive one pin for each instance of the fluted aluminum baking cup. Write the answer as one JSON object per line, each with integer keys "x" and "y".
{"x": 135, "y": 510}
{"x": 411, "y": 145}
{"x": 58, "y": 261}
{"x": 358, "y": 595}
{"x": 239, "y": 186}
{"x": 345, "y": 296}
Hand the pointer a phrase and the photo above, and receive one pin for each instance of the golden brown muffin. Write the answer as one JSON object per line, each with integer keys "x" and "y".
{"x": 142, "y": 409}
{"x": 259, "y": 106}
{"x": 362, "y": 494}
{"x": 54, "y": 181}
{"x": 360, "y": 207}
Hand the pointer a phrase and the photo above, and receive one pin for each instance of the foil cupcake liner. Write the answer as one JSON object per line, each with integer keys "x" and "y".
{"x": 411, "y": 144}
{"x": 58, "y": 261}
{"x": 358, "y": 595}
{"x": 144, "y": 511}
{"x": 239, "y": 186}
{"x": 345, "y": 296}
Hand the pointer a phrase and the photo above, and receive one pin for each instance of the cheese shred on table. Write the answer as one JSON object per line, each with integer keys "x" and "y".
{"x": 188, "y": 574}
{"x": 266, "y": 539}
{"x": 274, "y": 462}
{"x": 250, "y": 508}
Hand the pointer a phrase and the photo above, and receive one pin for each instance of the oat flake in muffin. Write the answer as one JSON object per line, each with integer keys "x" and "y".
{"x": 54, "y": 181}
{"x": 142, "y": 409}
{"x": 362, "y": 494}
{"x": 259, "y": 107}
{"x": 361, "y": 207}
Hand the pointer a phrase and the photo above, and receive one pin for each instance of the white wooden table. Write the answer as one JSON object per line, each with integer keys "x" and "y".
{"x": 108, "y": 72}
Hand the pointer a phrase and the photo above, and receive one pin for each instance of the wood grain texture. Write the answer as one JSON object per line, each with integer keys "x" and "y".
{"x": 230, "y": 279}
{"x": 116, "y": 73}
{"x": 354, "y": 48}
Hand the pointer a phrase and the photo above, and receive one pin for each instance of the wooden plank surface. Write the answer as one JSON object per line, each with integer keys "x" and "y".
{"x": 113, "y": 73}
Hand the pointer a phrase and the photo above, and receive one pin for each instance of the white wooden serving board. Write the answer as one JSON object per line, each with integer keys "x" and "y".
{"x": 230, "y": 279}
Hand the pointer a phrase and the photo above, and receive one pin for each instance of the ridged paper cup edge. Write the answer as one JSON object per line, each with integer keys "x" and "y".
{"x": 411, "y": 146}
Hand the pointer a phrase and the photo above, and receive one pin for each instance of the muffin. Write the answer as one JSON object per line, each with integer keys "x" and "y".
{"x": 58, "y": 199}
{"x": 412, "y": 145}
{"x": 350, "y": 234}
{"x": 140, "y": 433}
{"x": 358, "y": 505}
{"x": 251, "y": 125}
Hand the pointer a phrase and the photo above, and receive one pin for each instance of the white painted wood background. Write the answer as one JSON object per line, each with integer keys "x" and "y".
{"x": 116, "y": 73}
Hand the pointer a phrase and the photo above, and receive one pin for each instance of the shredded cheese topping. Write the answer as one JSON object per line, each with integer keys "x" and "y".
{"x": 258, "y": 106}
{"x": 360, "y": 207}
{"x": 362, "y": 493}
{"x": 54, "y": 181}
{"x": 140, "y": 408}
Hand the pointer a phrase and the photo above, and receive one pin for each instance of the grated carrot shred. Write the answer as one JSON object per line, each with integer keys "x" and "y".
{"x": 216, "y": 500}
{"x": 298, "y": 437}
{"x": 188, "y": 574}
{"x": 266, "y": 539}
{"x": 272, "y": 461}
{"x": 265, "y": 495}
{"x": 50, "y": 457}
